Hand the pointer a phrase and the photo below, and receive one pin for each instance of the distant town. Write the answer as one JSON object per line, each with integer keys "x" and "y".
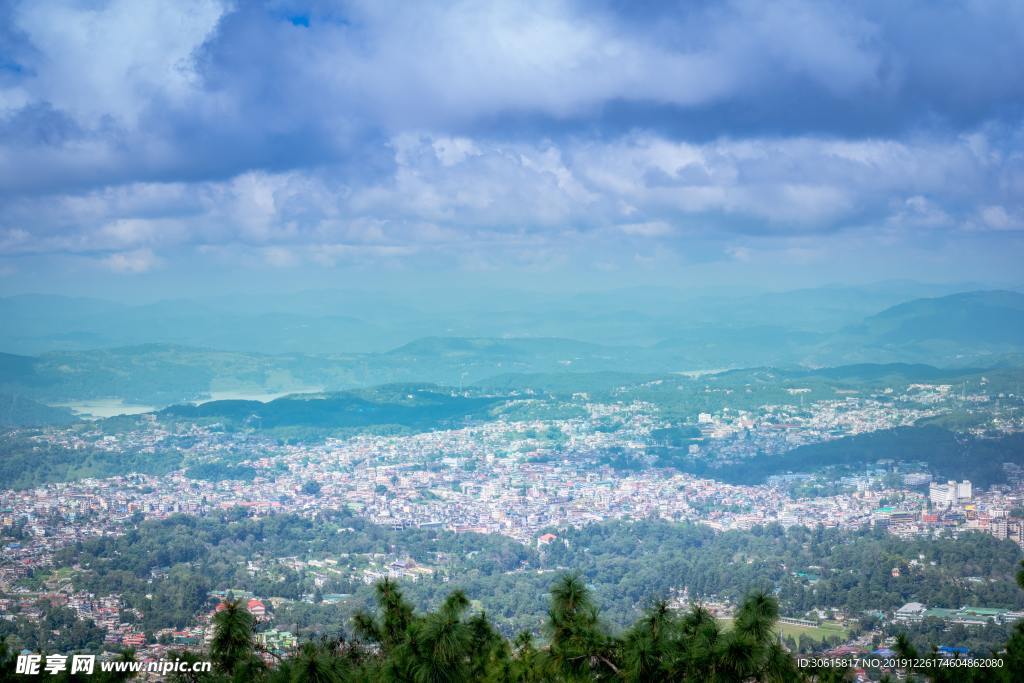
{"x": 527, "y": 480}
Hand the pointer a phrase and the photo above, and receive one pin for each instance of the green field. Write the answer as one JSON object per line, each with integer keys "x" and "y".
{"x": 827, "y": 629}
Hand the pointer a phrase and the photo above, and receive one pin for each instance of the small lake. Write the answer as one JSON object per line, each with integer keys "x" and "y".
{"x": 255, "y": 395}
{"x": 97, "y": 408}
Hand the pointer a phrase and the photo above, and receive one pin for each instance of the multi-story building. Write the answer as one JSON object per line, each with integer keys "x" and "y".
{"x": 950, "y": 493}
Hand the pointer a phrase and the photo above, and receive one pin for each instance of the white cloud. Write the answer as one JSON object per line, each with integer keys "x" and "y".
{"x": 452, "y": 151}
{"x": 137, "y": 261}
{"x": 526, "y": 201}
{"x": 998, "y": 218}
{"x": 648, "y": 229}
{"x": 115, "y": 58}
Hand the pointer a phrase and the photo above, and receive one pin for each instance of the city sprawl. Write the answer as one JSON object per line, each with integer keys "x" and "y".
{"x": 531, "y": 479}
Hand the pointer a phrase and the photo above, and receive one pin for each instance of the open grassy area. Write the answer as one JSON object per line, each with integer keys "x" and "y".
{"x": 827, "y": 629}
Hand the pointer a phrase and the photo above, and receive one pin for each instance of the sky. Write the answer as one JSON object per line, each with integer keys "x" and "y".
{"x": 149, "y": 148}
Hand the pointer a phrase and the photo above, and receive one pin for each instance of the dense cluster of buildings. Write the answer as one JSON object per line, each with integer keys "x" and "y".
{"x": 516, "y": 478}
{"x": 915, "y": 612}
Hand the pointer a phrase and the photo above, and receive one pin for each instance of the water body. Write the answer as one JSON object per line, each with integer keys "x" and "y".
{"x": 98, "y": 408}
{"x": 255, "y": 395}
{"x": 693, "y": 374}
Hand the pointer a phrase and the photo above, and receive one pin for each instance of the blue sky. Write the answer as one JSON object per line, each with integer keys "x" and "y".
{"x": 150, "y": 146}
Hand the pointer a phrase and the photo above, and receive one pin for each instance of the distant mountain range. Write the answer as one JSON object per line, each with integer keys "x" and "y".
{"x": 970, "y": 329}
{"x": 983, "y": 327}
{"x": 344, "y": 321}
{"x": 990, "y": 318}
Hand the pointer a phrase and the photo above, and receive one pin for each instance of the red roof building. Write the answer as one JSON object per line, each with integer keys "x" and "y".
{"x": 256, "y": 608}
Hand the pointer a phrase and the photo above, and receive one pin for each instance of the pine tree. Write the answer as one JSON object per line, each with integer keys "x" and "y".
{"x": 579, "y": 648}
{"x": 231, "y": 649}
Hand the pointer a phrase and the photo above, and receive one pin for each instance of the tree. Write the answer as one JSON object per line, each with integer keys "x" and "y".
{"x": 1013, "y": 659}
{"x": 454, "y": 645}
{"x": 231, "y": 649}
{"x": 438, "y": 649}
{"x": 314, "y": 663}
{"x": 396, "y": 618}
{"x": 579, "y": 646}
{"x": 647, "y": 647}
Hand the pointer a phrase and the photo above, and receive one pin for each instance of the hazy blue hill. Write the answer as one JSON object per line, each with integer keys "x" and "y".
{"x": 19, "y": 411}
{"x": 317, "y": 346}
{"x": 16, "y": 369}
{"x": 831, "y": 307}
{"x": 498, "y": 348}
{"x": 704, "y": 348}
{"x": 54, "y": 307}
{"x": 33, "y": 322}
{"x": 665, "y": 328}
{"x": 414, "y": 407}
{"x": 565, "y": 382}
{"x": 66, "y": 324}
{"x": 274, "y": 331}
{"x": 818, "y": 309}
{"x": 455, "y": 361}
{"x": 973, "y": 328}
{"x": 159, "y": 374}
{"x": 948, "y": 454}
{"x": 353, "y": 321}
{"x": 984, "y": 328}
{"x": 600, "y": 324}
{"x": 738, "y": 336}
{"x": 857, "y": 376}
{"x": 399, "y": 393}
{"x": 990, "y": 317}
{"x": 907, "y": 372}
{"x": 287, "y": 333}
{"x": 360, "y": 304}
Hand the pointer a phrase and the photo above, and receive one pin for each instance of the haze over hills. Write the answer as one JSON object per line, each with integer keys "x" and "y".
{"x": 991, "y": 317}
{"x": 344, "y": 321}
{"x": 16, "y": 410}
{"x": 968, "y": 329}
{"x": 985, "y": 325}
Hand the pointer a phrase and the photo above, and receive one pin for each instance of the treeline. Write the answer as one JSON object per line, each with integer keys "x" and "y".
{"x": 619, "y": 565}
{"x": 394, "y": 643}
{"x": 625, "y": 563}
{"x": 17, "y": 410}
{"x": 58, "y": 629}
{"x": 947, "y": 454}
{"x": 977, "y": 639}
{"x": 851, "y": 570}
{"x": 27, "y": 463}
{"x": 165, "y": 568}
{"x": 427, "y": 407}
{"x": 219, "y": 471}
{"x": 454, "y": 644}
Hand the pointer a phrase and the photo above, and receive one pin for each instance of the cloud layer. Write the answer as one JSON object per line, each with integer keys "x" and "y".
{"x": 138, "y": 136}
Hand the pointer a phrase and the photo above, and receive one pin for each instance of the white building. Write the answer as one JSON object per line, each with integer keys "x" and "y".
{"x": 912, "y": 611}
{"x": 949, "y": 493}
